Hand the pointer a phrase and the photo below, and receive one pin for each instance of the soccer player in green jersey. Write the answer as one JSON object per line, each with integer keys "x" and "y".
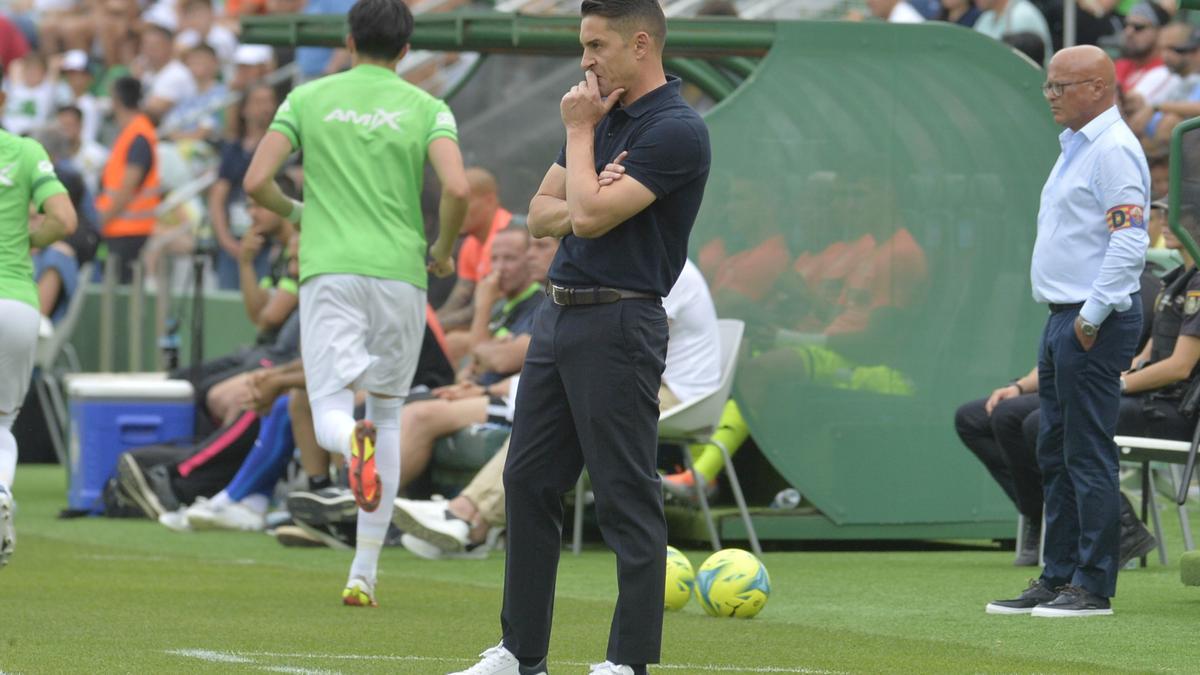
{"x": 366, "y": 135}
{"x": 26, "y": 177}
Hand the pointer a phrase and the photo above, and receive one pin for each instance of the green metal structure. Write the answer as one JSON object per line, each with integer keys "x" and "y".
{"x": 870, "y": 213}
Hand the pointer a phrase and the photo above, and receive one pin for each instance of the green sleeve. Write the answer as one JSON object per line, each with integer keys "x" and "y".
{"x": 287, "y": 122}
{"x": 43, "y": 182}
{"x": 443, "y": 124}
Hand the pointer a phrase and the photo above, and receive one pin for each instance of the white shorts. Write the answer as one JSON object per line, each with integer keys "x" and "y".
{"x": 18, "y": 349}
{"x": 360, "y": 332}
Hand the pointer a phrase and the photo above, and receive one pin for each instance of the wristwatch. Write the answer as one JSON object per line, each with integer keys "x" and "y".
{"x": 1088, "y": 329}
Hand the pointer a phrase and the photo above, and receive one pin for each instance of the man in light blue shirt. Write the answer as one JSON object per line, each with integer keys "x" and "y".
{"x": 1090, "y": 250}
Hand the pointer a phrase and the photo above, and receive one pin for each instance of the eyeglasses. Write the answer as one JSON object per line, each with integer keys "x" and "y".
{"x": 1056, "y": 88}
{"x": 1138, "y": 27}
{"x": 1182, "y": 51}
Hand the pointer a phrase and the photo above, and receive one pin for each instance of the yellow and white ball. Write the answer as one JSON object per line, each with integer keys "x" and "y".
{"x": 733, "y": 582}
{"x": 680, "y": 579}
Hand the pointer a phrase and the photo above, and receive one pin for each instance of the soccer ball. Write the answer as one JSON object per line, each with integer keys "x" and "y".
{"x": 680, "y": 579}
{"x": 733, "y": 582}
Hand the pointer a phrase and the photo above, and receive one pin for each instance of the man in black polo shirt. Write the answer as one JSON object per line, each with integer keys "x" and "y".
{"x": 589, "y": 388}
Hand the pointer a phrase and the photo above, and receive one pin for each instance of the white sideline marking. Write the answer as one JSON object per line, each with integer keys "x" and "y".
{"x": 248, "y": 657}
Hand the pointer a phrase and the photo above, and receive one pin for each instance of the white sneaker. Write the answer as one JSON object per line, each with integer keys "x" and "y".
{"x": 176, "y": 521}
{"x": 433, "y": 522}
{"x": 499, "y": 661}
{"x": 8, "y": 535}
{"x": 238, "y": 516}
{"x": 610, "y": 668}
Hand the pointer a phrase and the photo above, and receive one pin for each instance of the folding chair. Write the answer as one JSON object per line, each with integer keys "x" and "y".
{"x": 1147, "y": 450}
{"x": 49, "y": 351}
{"x": 695, "y": 422}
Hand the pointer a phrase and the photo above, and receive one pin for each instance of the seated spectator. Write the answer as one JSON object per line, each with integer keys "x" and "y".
{"x": 78, "y": 95}
{"x": 1029, "y": 44}
{"x": 895, "y": 11}
{"x": 961, "y": 12}
{"x": 29, "y": 93}
{"x": 1141, "y": 75}
{"x": 198, "y": 117}
{"x": 197, "y": 26}
{"x": 1180, "y": 46}
{"x": 130, "y": 184}
{"x": 482, "y": 393}
{"x": 1002, "y": 17}
{"x": 164, "y": 79}
{"x": 485, "y": 217}
{"x": 251, "y": 63}
{"x": 13, "y": 45}
{"x": 87, "y": 156}
{"x": 468, "y": 525}
{"x": 270, "y": 304}
{"x": 227, "y": 202}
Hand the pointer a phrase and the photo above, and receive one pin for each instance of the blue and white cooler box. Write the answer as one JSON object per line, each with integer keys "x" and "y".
{"x": 111, "y": 414}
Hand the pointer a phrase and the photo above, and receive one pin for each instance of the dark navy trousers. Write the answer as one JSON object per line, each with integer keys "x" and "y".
{"x": 588, "y": 396}
{"x": 1080, "y": 396}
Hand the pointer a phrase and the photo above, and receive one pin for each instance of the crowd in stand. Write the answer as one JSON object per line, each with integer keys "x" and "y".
{"x": 133, "y": 103}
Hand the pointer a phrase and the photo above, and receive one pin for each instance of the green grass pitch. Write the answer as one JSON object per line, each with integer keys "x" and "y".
{"x": 94, "y": 595}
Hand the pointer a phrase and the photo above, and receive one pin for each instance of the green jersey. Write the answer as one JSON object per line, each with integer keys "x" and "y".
{"x": 26, "y": 175}
{"x": 365, "y": 135}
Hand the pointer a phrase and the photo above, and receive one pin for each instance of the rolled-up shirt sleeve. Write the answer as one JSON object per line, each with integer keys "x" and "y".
{"x": 1119, "y": 187}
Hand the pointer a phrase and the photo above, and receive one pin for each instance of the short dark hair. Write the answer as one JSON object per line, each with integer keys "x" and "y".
{"x": 380, "y": 28}
{"x": 1029, "y": 44}
{"x": 128, "y": 92}
{"x": 71, "y": 110}
{"x": 630, "y": 16}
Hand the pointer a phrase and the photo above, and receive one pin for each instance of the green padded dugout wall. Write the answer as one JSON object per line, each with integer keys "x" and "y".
{"x": 871, "y": 213}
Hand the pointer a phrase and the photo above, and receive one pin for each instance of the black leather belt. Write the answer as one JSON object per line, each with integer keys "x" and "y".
{"x": 566, "y": 296}
{"x": 1056, "y": 308}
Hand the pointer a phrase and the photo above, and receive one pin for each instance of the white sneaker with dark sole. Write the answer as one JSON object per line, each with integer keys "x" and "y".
{"x": 432, "y": 522}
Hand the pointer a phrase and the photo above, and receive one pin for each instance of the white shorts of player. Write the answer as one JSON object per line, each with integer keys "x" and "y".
{"x": 360, "y": 332}
{"x": 18, "y": 349}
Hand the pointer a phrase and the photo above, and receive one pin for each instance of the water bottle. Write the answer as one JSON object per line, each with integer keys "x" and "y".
{"x": 786, "y": 499}
{"x": 168, "y": 345}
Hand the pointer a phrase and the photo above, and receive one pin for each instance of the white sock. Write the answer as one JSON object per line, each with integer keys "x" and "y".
{"x": 333, "y": 419}
{"x": 220, "y": 499}
{"x": 373, "y": 527}
{"x": 8, "y": 451}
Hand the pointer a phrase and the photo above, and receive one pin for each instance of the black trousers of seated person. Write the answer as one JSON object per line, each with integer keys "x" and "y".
{"x": 588, "y": 397}
{"x": 1007, "y": 446}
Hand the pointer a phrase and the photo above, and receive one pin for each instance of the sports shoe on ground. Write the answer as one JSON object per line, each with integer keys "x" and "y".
{"x": 682, "y": 486}
{"x": 432, "y": 522}
{"x": 135, "y": 484}
{"x": 8, "y": 535}
{"x": 499, "y": 661}
{"x": 1037, "y": 593}
{"x": 423, "y": 549}
{"x": 1031, "y": 543}
{"x": 228, "y": 516}
{"x": 610, "y": 668}
{"x": 176, "y": 521}
{"x": 359, "y": 593}
{"x": 340, "y": 536}
{"x": 323, "y": 507}
{"x": 364, "y": 481}
{"x": 296, "y": 536}
{"x": 1074, "y": 601}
